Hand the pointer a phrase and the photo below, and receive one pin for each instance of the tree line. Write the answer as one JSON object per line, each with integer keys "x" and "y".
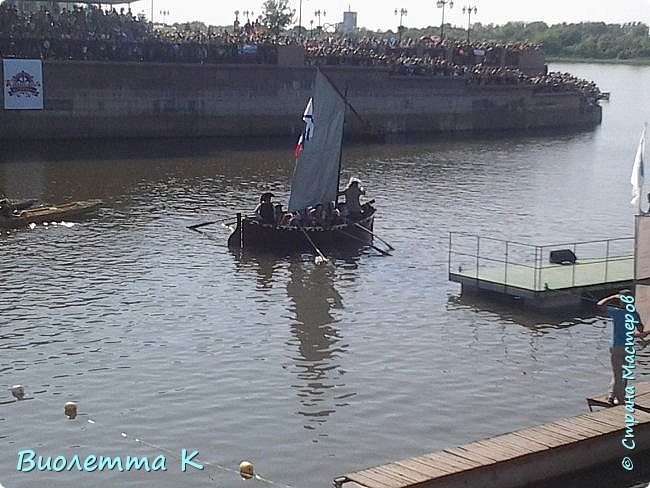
{"x": 586, "y": 40}
{"x": 591, "y": 40}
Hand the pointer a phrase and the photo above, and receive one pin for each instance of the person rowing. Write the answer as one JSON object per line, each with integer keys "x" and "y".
{"x": 352, "y": 193}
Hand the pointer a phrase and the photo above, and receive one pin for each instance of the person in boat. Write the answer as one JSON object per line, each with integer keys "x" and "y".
{"x": 3, "y": 201}
{"x": 279, "y": 213}
{"x": 333, "y": 214}
{"x": 298, "y": 219}
{"x": 7, "y": 209}
{"x": 285, "y": 220}
{"x": 265, "y": 211}
{"x": 618, "y": 308}
{"x": 352, "y": 193}
{"x": 318, "y": 216}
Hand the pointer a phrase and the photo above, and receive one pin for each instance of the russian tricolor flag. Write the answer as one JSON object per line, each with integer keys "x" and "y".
{"x": 308, "y": 131}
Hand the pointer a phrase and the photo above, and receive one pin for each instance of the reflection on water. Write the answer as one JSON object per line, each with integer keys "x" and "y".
{"x": 317, "y": 363}
{"x": 511, "y": 311}
{"x": 316, "y": 340}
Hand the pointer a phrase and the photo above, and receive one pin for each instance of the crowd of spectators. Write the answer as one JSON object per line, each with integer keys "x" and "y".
{"x": 378, "y": 51}
{"x": 90, "y": 33}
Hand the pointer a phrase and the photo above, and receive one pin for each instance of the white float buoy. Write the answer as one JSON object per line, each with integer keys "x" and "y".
{"x": 70, "y": 410}
{"x": 246, "y": 470}
{"x": 18, "y": 392}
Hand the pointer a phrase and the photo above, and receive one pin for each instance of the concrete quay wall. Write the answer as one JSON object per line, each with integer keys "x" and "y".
{"x": 116, "y": 100}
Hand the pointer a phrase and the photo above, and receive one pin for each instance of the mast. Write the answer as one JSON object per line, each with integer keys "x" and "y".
{"x": 338, "y": 180}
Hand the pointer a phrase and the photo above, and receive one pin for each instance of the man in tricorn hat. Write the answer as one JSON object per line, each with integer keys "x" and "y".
{"x": 265, "y": 212}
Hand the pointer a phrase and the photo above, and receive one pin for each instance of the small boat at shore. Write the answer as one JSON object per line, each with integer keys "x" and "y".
{"x": 314, "y": 188}
{"x": 14, "y": 219}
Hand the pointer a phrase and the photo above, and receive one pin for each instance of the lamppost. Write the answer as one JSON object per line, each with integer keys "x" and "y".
{"x": 164, "y": 14}
{"x": 300, "y": 19}
{"x": 248, "y": 14}
{"x": 318, "y": 14}
{"x": 468, "y": 9}
{"x": 402, "y": 12}
{"x": 235, "y": 24}
{"x": 441, "y": 4}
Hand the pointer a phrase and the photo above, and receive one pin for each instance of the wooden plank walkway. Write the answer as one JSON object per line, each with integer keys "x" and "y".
{"x": 641, "y": 398}
{"x": 517, "y": 458}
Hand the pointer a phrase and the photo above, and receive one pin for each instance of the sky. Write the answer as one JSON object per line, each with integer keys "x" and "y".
{"x": 380, "y": 15}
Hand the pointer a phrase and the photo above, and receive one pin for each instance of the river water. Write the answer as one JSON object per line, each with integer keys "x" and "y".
{"x": 168, "y": 341}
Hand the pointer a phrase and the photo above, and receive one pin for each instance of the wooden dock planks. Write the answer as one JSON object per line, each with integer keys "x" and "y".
{"x": 641, "y": 398}
{"x": 464, "y": 465}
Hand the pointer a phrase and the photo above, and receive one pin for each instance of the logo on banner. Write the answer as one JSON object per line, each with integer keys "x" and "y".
{"x": 23, "y": 84}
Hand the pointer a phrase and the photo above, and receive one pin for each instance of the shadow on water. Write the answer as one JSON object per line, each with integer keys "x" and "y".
{"x": 111, "y": 149}
{"x": 67, "y": 150}
{"x": 487, "y": 135}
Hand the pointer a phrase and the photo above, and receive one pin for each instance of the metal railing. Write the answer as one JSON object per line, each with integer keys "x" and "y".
{"x": 518, "y": 264}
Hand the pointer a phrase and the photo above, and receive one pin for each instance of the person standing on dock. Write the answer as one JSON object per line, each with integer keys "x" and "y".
{"x": 614, "y": 307}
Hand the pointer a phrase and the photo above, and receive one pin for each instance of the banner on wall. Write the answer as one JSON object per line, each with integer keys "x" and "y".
{"x": 23, "y": 84}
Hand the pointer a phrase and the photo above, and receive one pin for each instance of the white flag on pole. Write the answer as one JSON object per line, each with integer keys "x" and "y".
{"x": 637, "y": 174}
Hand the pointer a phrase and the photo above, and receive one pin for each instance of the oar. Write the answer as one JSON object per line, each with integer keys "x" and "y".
{"x": 322, "y": 256}
{"x": 196, "y": 226}
{"x": 357, "y": 224}
{"x": 378, "y": 249}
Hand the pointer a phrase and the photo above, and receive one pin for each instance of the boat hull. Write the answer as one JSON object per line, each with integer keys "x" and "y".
{"x": 39, "y": 215}
{"x": 250, "y": 234}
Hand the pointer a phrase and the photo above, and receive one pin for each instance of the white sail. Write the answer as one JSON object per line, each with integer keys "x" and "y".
{"x": 316, "y": 176}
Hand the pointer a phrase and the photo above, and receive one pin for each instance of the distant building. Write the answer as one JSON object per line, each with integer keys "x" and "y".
{"x": 349, "y": 23}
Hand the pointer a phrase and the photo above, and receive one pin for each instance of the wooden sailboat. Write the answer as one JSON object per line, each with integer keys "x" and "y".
{"x": 315, "y": 183}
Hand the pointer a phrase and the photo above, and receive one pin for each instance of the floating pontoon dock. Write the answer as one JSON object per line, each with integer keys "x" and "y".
{"x": 521, "y": 457}
{"x": 534, "y": 275}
